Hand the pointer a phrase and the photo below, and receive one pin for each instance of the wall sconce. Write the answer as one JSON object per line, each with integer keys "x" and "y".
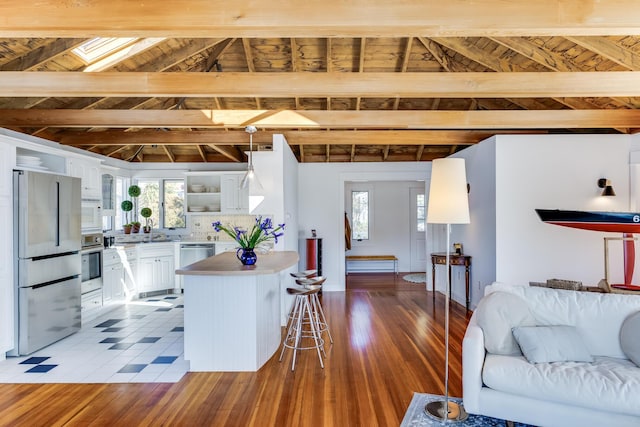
{"x": 607, "y": 188}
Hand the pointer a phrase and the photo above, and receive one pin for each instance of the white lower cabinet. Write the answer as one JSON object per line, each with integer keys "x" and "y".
{"x": 113, "y": 277}
{"x": 91, "y": 305}
{"x": 130, "y": 264}
{"x": 112, "y": 290}
{"x": 156, "y": 267}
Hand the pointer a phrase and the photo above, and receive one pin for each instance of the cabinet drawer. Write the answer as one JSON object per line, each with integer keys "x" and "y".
{"x": 155, "y": 252}
{"x": 131, "y": 254}
{"x": 110, "y": 257}
{"x": 453, "y": 260}
{"x": 91, "y": 300}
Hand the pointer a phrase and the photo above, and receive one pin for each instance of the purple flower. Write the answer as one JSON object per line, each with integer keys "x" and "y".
{"x": 217, "y": 225}
{"x": 266, "y": 224}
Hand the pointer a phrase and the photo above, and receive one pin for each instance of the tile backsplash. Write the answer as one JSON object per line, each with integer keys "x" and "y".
{"x": 201, "y": 228}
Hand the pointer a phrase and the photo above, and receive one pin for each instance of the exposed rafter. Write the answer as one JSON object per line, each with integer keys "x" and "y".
{"x": 314, "y": 119}
{"x": 198, "y": 18}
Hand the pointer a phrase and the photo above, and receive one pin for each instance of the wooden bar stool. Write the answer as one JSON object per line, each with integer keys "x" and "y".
{"x": 303, "y": 327}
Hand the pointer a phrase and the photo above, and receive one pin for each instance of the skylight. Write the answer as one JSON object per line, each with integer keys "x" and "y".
{"x": 101, "y": 47}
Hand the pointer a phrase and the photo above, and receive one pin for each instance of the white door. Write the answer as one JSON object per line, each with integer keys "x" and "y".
{"x": 417, "y": 233}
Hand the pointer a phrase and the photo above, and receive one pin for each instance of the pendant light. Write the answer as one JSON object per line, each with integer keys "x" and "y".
{"x": 250, "y": 178}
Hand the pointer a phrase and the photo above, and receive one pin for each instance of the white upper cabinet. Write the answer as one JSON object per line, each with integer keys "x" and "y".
{"x": 235, "y": 199}
{"x": 89, "y": 171}
{"x": 215, "y": 192}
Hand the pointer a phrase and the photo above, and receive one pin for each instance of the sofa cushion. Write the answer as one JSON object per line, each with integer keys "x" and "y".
{"x": 607, "y": 384}
{"x": 598, "y": 316}
{"x": 497, "y": 315}
{"x": 542, "y": 344}
{"x": 630, "y": 337}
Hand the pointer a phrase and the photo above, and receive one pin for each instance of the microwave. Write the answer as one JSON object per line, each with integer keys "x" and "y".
{"x": 91, "y": 215}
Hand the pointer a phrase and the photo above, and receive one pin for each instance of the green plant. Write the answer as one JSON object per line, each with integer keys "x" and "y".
{"x": 134, "y": 191}
{"x": 126, "y": 206}
{"x": 261, "y": 231}
{"x": 146, "y": 213}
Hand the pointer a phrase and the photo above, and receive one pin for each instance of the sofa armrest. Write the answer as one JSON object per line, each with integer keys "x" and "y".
{"x": 473, "y": 354}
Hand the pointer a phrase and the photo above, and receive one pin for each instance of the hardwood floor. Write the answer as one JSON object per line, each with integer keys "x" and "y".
{"x": 388, "y": 343}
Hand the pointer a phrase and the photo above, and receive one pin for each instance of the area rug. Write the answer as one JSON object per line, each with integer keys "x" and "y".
{"x": 416, "y": 278}
{"x": 415, "y": 416}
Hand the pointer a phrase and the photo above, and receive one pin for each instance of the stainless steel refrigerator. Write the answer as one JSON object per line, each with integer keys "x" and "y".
{"x": 47, "y": 240}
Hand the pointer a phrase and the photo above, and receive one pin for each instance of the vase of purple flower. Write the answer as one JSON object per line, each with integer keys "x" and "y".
{"x": 262, "y": 231}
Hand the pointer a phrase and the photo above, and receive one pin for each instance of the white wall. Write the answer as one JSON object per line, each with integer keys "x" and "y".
{"x": 321, "y": 204}
{"x": 541, "y": 171}
{"x": 390, "y": 225}
{"x": 277, "y": 171}
{"x": 479, "y": 237}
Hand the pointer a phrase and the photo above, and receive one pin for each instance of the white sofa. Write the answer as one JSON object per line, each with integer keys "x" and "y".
{"x": 605, "y": 392}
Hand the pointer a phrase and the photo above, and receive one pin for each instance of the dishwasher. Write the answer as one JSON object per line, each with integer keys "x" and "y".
{"x": 194, "y": 252}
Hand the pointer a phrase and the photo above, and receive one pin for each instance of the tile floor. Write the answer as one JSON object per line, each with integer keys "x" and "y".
{"x": 141, "y": 341}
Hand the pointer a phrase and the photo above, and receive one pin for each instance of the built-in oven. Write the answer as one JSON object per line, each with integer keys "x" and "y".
{"x": 91, "y": 254}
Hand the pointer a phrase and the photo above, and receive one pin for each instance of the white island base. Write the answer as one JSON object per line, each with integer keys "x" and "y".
{"x": 232, "y": 313}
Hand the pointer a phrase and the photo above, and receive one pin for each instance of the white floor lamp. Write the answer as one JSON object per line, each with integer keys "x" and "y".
{"x": 448, "y": 204}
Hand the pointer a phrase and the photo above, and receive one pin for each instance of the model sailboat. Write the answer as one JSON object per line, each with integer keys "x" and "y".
{"x": 626, "y": 223}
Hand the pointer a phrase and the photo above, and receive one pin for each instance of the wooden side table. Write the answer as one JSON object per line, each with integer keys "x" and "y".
{"x": 440, "y": 258}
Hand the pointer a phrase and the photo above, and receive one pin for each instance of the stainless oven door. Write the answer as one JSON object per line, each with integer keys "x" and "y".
{"x": 91, "y": 269}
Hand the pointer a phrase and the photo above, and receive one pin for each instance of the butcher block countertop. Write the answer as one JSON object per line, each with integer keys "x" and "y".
{"x": 227, "y": 264}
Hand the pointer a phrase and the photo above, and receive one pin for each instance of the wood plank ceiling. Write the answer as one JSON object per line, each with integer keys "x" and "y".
{"x": 353, "y": 81}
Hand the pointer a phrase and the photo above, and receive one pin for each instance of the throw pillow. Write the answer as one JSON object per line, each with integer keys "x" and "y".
{"x": 498, "y": 313}
{"x": 630, "y": 337}
{"x": 542, "y": 344}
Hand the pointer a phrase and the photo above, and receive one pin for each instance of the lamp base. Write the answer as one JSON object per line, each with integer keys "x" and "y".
{"x": 455, "y": 414}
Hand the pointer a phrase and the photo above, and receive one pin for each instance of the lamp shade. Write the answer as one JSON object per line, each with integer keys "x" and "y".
{"x": 448, "y": 198}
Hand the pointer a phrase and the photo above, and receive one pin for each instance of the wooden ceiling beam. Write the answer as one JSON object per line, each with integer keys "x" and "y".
{"x": 289, "y": 85}
{"x": 320, "y": 119}
{"x": 550, "y": 60}
{"x": 293, "y": 137}
{"x": 232, "y": 154}
{"x": 288, "y": 18}
{"x": 155, "y": 137}
{"x": 170, "y": 155}
{"x": 200, "y": 149}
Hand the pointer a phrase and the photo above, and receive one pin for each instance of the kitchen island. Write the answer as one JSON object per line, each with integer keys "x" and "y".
{"x": 232, "y": 312}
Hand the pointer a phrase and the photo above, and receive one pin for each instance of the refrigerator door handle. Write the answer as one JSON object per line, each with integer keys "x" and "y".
{"x": 58, "y": 213}
{"x": 53, "y": 282}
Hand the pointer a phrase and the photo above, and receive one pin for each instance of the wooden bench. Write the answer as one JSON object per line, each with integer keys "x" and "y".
{"x": 389, "y": 258}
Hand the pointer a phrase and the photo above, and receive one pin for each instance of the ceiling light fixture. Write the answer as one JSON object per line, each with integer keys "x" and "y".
{"x": 250, "y": 178}
{"x": 606, "y": 185}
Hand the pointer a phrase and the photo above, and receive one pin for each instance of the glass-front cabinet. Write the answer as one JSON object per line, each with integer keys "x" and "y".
{"x": 108, "y": 194}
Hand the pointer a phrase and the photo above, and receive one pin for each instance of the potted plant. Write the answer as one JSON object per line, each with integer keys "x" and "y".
{"x": 134, "y": 192}
{"x": 146, "y": 213}
{"x": 262, "y": 231}
{"x": 126, "y": 207}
